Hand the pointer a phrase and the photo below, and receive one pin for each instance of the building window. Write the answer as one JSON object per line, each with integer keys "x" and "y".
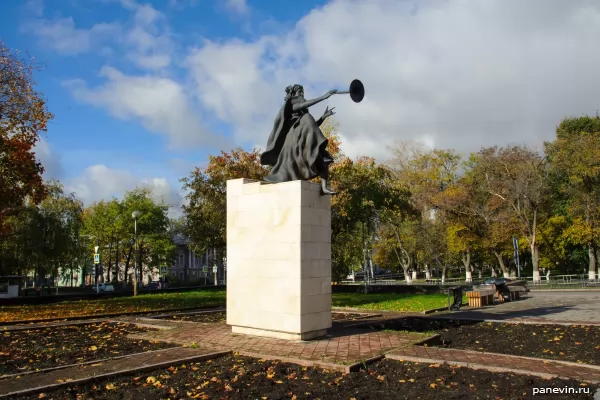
{"x": 181, "y": 259}
{"x": 194, "y": 273}
{"x": 173, "y": 273}
{"x": 181, "y": 275}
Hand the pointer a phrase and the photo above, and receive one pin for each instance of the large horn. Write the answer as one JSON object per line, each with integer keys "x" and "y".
{"x": 356, "y": 91}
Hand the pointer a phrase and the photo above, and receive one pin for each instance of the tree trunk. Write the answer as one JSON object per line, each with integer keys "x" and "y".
{"x": 405, "y": 261}
{"x": 592, "y": 263}
{"x": 503, "y": 267}
{"x": 535, "y": 256}
{"x": 466, "y": 259}
{"x": 109, "y": 266}
{"x": 127, "y": 260}
{"x": 443, "y": 274}
{"x": 407, "y": 275}
{"x": 427, "y": 272}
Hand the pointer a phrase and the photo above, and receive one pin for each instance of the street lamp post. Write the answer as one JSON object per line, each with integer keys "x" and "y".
{"x": 135, "y": 216}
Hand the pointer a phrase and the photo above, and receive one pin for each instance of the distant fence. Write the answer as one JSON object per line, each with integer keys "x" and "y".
{"x": 398, "y": 280}
{"x": 563, "y": 281}
{"x": 397, "y": 289}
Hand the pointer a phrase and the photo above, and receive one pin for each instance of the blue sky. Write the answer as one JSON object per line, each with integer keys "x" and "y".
{"x": 143, "y": 91}
{"x": 82, "y": 135}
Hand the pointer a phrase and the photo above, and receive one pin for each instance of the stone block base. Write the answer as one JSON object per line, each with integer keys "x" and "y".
{"x": 278, "y": 259}
{"x": 280, "y": 335}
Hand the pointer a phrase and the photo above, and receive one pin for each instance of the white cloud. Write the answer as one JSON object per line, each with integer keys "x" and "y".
{"x": 452, "y": 74}
{"x": 149, "y": 38}
{"x": 456, "y": 74}
{"x": 145, "y": 37}
{"x": 99, "y": 182}
{"x": 34, "y": 7}
{"x": 64, "y": 37}
{"x": 160, "y": 104}
{"x": 237, "y": 6}
{"x": 182, "y": 4}
{"x": 50, "y": 160}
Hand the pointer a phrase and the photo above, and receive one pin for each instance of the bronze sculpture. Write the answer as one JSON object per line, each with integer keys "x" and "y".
{"x": 297, "y": 148}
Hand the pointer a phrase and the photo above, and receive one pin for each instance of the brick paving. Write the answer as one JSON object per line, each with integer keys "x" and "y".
{"x": 82, "y": 373}
{"x": 343, "y": 346}
{"x": 498, "y": 362}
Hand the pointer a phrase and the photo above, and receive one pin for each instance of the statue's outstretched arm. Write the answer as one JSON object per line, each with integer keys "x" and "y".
{"x": 308, "y": 103}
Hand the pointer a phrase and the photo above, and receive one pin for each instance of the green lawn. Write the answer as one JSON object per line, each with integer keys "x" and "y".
{"x": 199, "y": 298}
{"x": 143, "y": 302}
{"x": 391, "y": 301}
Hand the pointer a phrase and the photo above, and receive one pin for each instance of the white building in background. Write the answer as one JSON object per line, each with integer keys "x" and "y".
{"x": 187, "y": 266}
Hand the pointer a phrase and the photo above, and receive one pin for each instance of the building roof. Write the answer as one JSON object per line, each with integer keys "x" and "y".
{"x": 180, "y": 240}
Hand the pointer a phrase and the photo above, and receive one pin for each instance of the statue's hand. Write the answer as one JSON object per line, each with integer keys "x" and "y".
{"x": 328, "y": 112}
{"x": 330, "y": 93}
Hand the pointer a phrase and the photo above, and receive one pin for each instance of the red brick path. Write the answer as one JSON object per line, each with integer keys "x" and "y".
{"x": 344, "y": 346}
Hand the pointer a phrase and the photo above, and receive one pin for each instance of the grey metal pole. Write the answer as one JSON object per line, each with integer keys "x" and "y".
{"x": 135, "y": 257}
{"x": 97, "y": 267}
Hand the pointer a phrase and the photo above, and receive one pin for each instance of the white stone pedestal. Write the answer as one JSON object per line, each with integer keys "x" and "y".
{"x": 278, "y": 259}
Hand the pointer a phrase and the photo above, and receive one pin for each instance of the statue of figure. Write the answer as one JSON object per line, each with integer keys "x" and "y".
{"x": 297, "y": 148}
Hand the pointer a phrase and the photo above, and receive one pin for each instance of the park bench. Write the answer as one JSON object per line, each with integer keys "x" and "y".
{"x": 515, "y": 293}
{"x": 480, "y": 298}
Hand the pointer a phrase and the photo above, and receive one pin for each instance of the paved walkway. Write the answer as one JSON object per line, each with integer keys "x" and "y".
{"x": 44, "y": 325}
{"x": 344, "y": 346}
{"x": 83, "y": 373}
{"x": 498, "y": 362}
{"x": 541, "y": 307}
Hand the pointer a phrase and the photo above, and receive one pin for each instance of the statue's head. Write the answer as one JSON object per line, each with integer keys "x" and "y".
{"x": 293, "y": 91}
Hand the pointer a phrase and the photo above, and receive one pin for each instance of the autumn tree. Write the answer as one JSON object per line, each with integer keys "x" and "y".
{"x": 575, "y": 155}
{"x": 23, "y": 118}
{"x": 43, "y": 235}
{"x": 110, "y": 224}
{"x": 205, "y": 213}
{"x": 428, "y": 174}
{"x": 517, "y": 176}
{"x": 366, "y": 195}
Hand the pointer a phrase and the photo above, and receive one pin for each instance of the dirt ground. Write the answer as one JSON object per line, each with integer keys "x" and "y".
{"x": 576, "y": 343}
{"x": 22, "y": 351}
{"x": 236, "y": 377}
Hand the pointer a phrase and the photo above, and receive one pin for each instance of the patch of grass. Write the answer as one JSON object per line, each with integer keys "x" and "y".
{"x": 426, "y": 334}
{"x": 140, "y": 303}
{"x": 160, "y": 301}
{"x": 391, "y": 301}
